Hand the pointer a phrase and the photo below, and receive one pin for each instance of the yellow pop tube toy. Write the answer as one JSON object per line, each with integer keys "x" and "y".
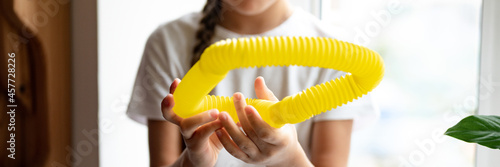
{"x": 365, "y": 67}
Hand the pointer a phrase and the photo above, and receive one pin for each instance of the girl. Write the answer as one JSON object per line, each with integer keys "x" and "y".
{"x": 212, "y": 138}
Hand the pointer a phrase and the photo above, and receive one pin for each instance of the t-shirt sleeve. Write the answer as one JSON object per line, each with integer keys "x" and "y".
{"x": 362, "y": 111}
{"x": 156, "y": 72}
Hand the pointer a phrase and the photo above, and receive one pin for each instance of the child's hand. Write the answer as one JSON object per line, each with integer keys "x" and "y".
{"x": 260, "y": 143}
{"x": 202, "y": 146}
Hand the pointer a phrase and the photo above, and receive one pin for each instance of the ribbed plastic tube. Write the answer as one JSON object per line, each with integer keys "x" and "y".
{"x": 365, "y": 71}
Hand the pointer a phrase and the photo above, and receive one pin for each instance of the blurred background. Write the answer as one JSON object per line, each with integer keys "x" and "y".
{"x": 89, "y": 52}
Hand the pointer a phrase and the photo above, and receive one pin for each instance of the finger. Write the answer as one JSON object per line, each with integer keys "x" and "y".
{"x": 239, "y": 105}
{"x": 166, "y": 108}
{"x": 231, "y": 147}
{"x": 243, "y": 142}
{"x": 263, "y": 130}
{"x": 202, "y": 134}
{"x": 189, "y": 125}
{"x": 174, "y": 85}
{"x": 215, "y": 140}
{"x": 262, "y": 91}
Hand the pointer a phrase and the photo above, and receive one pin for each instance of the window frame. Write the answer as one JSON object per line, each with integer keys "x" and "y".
{"x": 489, "y": 75}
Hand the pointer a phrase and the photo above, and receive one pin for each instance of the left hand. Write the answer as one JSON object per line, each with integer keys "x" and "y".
{"x": 260, "y": 143}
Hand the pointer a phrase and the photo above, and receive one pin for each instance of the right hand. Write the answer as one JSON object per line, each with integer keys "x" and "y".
{"x": 202, "y": 145}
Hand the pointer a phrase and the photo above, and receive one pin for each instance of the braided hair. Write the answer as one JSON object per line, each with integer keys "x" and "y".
{"x": 211, "y": 14}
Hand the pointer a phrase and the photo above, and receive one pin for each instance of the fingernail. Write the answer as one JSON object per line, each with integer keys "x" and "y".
{"x": 237, "y": 96}
{"x": 164, "y": 102}
{"x": 223, "y": 116}
{"x": 213, "y": 113}
{"x": 248, "y": 110}
{"x": 218, "y": 133}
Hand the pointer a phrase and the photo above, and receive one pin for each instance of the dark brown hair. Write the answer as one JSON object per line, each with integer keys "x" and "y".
{"x": 211, "y": 16}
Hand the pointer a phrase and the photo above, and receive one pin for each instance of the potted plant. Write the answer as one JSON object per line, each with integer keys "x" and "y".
{"x": 481, "y": 129}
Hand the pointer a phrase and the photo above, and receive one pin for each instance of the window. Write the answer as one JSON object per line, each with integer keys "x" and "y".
{"x": 431, "y": 52}
{"x": 124, "y": 27}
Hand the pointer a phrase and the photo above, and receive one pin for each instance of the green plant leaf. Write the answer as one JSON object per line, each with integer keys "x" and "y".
{"x": 480, "y": 129}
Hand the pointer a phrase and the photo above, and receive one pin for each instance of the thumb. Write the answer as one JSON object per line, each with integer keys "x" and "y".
{"x": 262, "y": 91}
{"x": 174, "y": 85}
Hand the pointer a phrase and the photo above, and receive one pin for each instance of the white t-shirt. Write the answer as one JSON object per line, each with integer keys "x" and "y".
{"x": 168, "y": 52}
